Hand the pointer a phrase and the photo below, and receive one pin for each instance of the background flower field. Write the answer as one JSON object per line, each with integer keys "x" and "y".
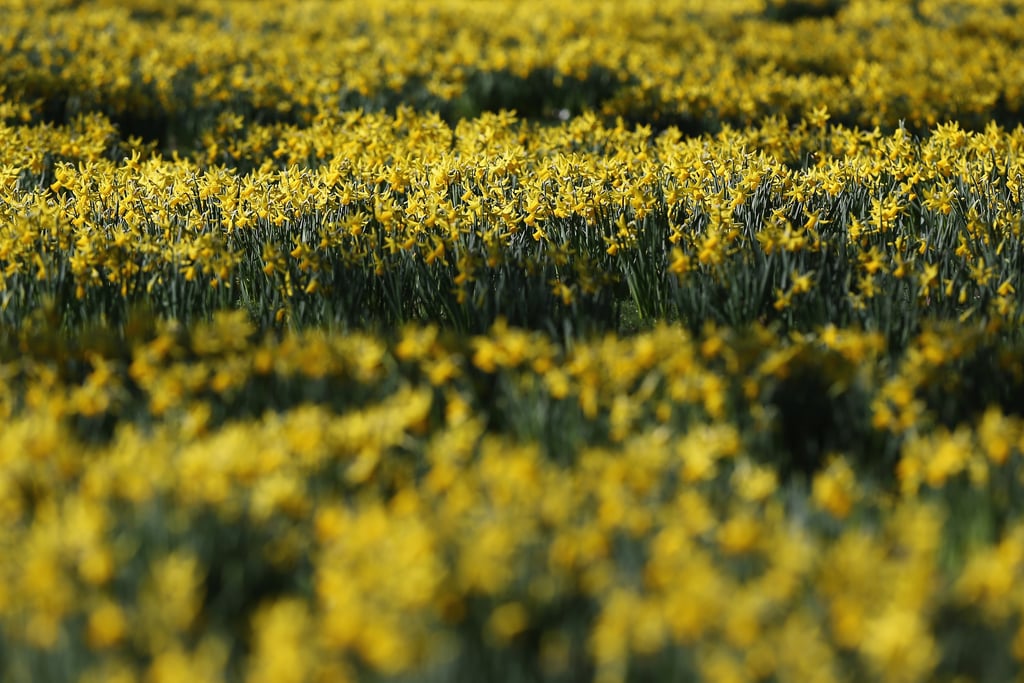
{"x": 533, "y": 341}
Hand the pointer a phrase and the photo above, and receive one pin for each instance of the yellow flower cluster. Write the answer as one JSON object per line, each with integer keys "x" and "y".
{"x": 537, "y": 340}
{"x": 389, "y": 513}
{"x": 873, "y": 62}
{"x": 353, "y": 211}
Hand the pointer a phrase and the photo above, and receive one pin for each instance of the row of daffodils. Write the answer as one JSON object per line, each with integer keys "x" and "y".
{"x": 320, "y": 363}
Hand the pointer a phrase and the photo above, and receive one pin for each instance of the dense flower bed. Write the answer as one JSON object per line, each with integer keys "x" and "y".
{"x": 318, "y": 362}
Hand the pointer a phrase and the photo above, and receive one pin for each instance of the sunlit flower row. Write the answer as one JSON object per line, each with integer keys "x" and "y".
{"x": 388, "y": 218}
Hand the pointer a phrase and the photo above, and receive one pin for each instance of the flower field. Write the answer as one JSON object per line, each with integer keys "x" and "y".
{"x": 511, "y": 341}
